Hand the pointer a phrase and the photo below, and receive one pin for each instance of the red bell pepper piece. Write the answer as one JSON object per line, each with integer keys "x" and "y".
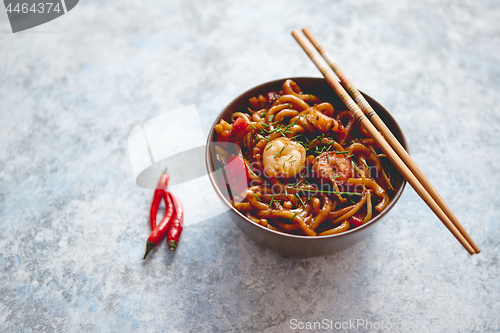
{"x": 356, "y": 219}
{"x": 239, "y": 125}
{"x": 237, "y": 174}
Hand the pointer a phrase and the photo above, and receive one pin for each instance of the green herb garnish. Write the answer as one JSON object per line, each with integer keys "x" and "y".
{"x": 355, "y": 166}
{"x": 279, "y": 152}
{"x": 302, "y": 202}
{"x": 364, "y": 162}
{"x": 272, "y": 199}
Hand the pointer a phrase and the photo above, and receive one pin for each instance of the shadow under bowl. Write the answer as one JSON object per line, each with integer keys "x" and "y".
{"x": 289, "y": 244}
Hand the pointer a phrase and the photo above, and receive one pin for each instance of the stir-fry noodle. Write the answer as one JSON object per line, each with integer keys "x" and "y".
{"x": 294, "y": 164}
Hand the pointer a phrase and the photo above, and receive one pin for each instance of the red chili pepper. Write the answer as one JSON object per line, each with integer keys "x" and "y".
{"x": 161, "y": 229}
{"x": 158, "y": 195}
{"x": 175, "y": 229}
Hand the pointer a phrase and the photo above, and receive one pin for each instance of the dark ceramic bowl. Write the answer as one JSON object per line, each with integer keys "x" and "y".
{"x": 288, "y": 244}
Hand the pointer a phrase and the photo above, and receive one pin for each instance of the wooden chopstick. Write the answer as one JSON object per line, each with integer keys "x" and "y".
{"x": 382, "y": 143}
{"x": 373, "y": 116}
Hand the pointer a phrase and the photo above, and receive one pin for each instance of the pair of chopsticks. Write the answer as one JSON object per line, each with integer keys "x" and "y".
{"x": 392, "y": 148}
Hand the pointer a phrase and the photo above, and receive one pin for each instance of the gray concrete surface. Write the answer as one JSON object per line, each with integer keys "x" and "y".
{"x": 73, "y": 224}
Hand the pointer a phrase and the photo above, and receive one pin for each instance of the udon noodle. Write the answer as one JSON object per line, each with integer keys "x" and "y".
{"x": 294, "y": 164}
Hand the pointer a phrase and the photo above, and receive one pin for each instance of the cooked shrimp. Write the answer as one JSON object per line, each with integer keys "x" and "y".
{"x": 283, "y": 158}
{"x": 332, "y": 166}
{"x": 322, "y": 122}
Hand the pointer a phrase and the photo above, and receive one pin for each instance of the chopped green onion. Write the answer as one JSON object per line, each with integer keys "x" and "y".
{"x": 364, "y": 162}
{"x": 272, "y": 199}
{"x": 328, "y": 157}
{"x": 294, "y": 216}
{"x": 342, "y": 152}
{"x": 269, "y": 147}
{"x": 355, "y": 166}
{"x": 302, "y": 202}
{"x": 279, "y": 152}
{"x": 256, "y": 197}
{"x": 252, "y": 125}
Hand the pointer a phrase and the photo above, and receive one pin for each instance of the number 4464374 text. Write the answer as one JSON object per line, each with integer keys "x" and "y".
{"x": 40, "y": 7}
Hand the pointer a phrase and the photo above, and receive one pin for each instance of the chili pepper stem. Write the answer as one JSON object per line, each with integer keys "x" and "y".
{"x": 172, "y": 245}
{"x": 149, "y": 247}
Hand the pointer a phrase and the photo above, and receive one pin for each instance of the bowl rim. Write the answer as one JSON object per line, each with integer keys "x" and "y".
{"x": 211, "y": 172}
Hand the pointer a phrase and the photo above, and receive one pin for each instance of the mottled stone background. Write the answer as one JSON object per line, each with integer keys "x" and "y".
{"x": 73, "y": 224}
